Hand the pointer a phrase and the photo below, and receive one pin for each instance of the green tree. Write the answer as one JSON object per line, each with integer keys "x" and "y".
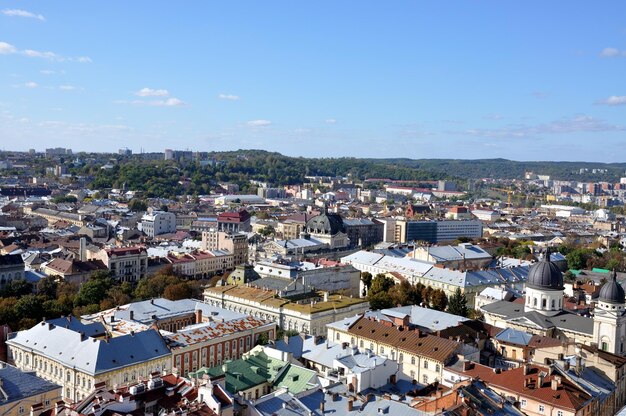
{"x": 267, "y": 231}
{"x": 18, "y": 288}
{"x": 47, "y": 287}
{"x": 381, "y": 283}
{"x": 177, "y": 291}
{"x": 154, "y": 286}
{"x": 95, "y": 289}
{"x": 457, "y": 304}
{"x": 366, "y": 278}
{"x": 137, "y": 205}
{"x": 8, "y": 314}
{"x": 439, "y": 300}
{"x": 577, "y": 258}
{"x": 380, "y": 300}
{"x": 29, "y": 306}
{"x": 263, "y": 339}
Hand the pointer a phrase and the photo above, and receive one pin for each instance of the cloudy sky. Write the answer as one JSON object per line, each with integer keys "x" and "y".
{"x": 530, "y": 80}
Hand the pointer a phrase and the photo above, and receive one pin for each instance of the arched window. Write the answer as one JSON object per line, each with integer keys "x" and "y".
{"x": 534, "y": 301}
{"x": 400, "y": 358}
{"x": 553, "y": 303}
{"x": 68, "y": 376}
{"x": 543, "y": 302}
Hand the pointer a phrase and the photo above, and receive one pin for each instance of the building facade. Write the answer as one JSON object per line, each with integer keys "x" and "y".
{"x": 77, "y": 362}
{"x": 158, "y": 222}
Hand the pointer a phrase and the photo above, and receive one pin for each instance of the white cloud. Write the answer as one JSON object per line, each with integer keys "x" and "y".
{"x": 22, "y": 13}
{"x": 576, "y": 124}
{"x": 330, "y": 121}
{"x": 610, "y": 52}
{"x": 230, "y": 97}
{"x": 258, "y": 123}
{"x": 149, "y": 92}
{"x": 7, "y": 48}
{"x": 614, "y": 100}
{"x": 31, "y": 84}
{"x": 67, "y": 87}
{"x": 47, "y": 72}
{"x": 170, "y": 102}
{"x": 39, "y": 54}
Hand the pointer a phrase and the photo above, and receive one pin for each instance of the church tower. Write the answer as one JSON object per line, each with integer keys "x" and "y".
{"x": 609, "y": 321}
{"x": 544, "y": 287}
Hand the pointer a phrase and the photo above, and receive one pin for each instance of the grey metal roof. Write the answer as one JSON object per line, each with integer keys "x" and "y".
{"x": 95, "y": 329}
{"x": 562, "y": 320}
{"x": 545, "y": 275}
{"x": 284, "y": 404}
{"x": 514, "y": 336}
{"x": 375, "y": 407}
{"x": 160, "y": 308}
{"x": 448, "y": 253}
{"x": 612, "y": 291}
{"x": 91, "y": 355}
{"x": 19, "y": 385}
{"x": 428, "y": 319}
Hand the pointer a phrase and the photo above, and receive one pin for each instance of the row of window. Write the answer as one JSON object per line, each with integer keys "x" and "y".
{"x": 382, "y": 351}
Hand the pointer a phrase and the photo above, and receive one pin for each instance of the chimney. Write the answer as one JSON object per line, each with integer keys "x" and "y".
{"x": 82, "y": 249}
{"x": 350, "y": 405}
{"x": 322, "y": 406}
{"x": 467, "y": 365}
{"x": 556, "y": 381}
{"x": 335, "y": 397}
{"x": 540, "y": 379}
{"x": 526, "y": 369}
{"x": 131, "y": 315}
{"x": 579, "y": 364}
{"x": 566, "y": 365}
{"x": 198, "y": 316}
{"x": 58, "y": 408}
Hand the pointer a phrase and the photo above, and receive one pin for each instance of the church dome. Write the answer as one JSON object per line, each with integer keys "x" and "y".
{"x": 612, "y": 292}
{"x": 325, "y": 223}
{"x": 545, "y": 275}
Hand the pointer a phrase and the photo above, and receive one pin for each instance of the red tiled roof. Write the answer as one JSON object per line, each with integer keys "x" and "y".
{"x": 567, "y": 395}
{"x": 430, "y": 346}
{"x": 124, "y": 251}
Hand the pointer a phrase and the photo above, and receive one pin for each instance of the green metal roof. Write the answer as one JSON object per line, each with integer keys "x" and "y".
{"x": 245, "y": 373}
{"x": 297, "y": 379}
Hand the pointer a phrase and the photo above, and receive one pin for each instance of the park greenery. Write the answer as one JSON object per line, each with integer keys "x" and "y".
{"x": 22, "y": 305}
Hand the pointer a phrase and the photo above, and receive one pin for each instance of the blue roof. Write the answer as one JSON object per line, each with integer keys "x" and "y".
{"x": 95, "y": 329}
{"x": 514, "y": 336}
{"x": 91, "y": 355}
{"x": 19, "y": 385}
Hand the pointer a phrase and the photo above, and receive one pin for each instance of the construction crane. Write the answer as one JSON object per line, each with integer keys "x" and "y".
{"x": 509, "y": 191}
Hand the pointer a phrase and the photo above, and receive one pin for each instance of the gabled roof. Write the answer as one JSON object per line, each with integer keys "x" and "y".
{"x": 429, "y": 346}
{"x": 567, "y": 396}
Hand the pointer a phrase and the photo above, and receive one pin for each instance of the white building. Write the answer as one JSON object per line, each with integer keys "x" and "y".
{"x": 158, "y": 222}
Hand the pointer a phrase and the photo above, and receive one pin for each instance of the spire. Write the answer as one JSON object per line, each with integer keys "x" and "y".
{"x": 614, "y": 276}
{"x": 547, "y": 255}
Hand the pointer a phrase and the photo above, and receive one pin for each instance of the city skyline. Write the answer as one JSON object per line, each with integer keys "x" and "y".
{"x": 523, "y": 82}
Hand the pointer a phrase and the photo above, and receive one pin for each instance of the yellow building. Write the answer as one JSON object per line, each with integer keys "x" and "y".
{"x": 77, "y": 362}
{"x": 24, "y": 393}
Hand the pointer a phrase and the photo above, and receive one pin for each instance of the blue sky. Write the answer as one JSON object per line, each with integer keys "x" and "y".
{"x": 530, "y": 80}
